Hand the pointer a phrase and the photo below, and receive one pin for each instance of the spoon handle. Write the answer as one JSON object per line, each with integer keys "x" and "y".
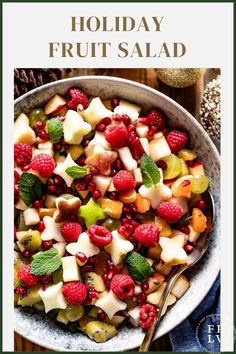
{"x": 144, "y": 347}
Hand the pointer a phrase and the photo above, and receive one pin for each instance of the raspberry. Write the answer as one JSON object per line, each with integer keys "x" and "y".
{"x": 124, "y": 181}
{"x": 176, "y": 140}
{"x": 123, "y": 286}
{"x": 75, "y": 97}
{"x": 71, "y": 231}
{"x": 147, "y": 315}
{"x": 44, "y": 164}
{"x": 147, "y": 235}
{"x": 153, "y": 119}
{"x": 27, "y": 278}
{"x": 122, "y": 118}
{"x": 169, "y": 211}
{"x": 99, "y": 235}
{"x": 74, "y": 292}
{"x": 117, "y": 135}
{"x": 22, "y": 154}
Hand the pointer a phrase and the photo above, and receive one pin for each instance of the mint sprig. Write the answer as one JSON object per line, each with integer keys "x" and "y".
{"x": 78, "y": 171}
{"x": 45, "y": 262}
{"x": 150, "y": 172}
{"x": 30, "y": 188}
{"x": 55, "y": 130}
{"x": 138, "y": 266}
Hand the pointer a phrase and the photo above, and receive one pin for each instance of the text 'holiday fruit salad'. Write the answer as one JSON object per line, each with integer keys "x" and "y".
{"x": 107, "y": 201}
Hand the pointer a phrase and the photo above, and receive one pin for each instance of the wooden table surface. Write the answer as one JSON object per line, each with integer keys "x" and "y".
{"x": 189, "y": 98}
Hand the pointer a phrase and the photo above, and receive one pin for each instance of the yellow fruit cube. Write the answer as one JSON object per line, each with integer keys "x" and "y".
{"x": 187, "y": 155}
{"x": 113, "y": 208}
{"x": 164, "y": 227}
{"x": 142, "y": 204}
{"x": 75, "y": 151}
{"x": 128, "y": 197}
{"x": 199, "y": 220}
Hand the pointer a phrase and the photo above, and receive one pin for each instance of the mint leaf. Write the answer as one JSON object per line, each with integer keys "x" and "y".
{"x": 77, "y": 171}
{"x": 150, "y": 173}
{"x": 55, "y": 130}
{"x": 30, "y": 188}
{"x": 138, "y": 266}
{"x": 45, "y": 262}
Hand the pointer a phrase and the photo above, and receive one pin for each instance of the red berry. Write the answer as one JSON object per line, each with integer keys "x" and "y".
{"x": 57, "y": 147}
{"x": 176, "y": 140}
{"x": 27, "y": 278}
{"x": 152, "y": 131}
{"x": 202, "y": 205}
{"x": 188, "y": 248}
{"x": 45, "y": 279}
{"x": 99, "y": 235}
{"x": 162, "y": 164}
{"x": 147, "y": 315}
{"x": 76, "y": 97}
{"x": 44, "y": 164}
{"x": 101, "y": 315}
{"x": 26, "y": 254}
{"x": 115, "y": 102}
{"x": 21, "y": 290}
{"x": 184, "y": 229}
{"x": 153, "y": 119}
{"x": 123, "y": 286}
{"x": 147, "y": 235}
{"x": 46, "y": 245}
{"x": 100, "y": 127}
{"x": 122, "y": 118}
{"x": 96, "y": 194}
{"x": 106, "y": 121}
{"x": 81, "y": 257}
{"x": 22, "y": 154}
{"x": 71, "y": 231}
{"x": 88, "y": 268}
{"x": 169, "y": 211}
{"x": 40, "y": 226}
{"x": 94, "y": 171}
{"x": 144, "y": 286}
{"x": 124, "y": 180}
{"x": 37, "y": 204}
{"x": 142, "y": 298}
{"x": 74, "y": 292}
{"x": 39, "y": 125}
{"x": 42, "y": 134}
{"x": 91, "y": 186}
{"x": 16, "y": 177}
{"x": 117, "y": 135}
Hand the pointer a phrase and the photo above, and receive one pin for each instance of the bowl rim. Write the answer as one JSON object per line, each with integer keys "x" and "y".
{"x": 76, "y": 79}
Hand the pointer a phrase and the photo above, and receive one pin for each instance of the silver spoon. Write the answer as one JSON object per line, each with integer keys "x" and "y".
{"x": 200, "y": 247}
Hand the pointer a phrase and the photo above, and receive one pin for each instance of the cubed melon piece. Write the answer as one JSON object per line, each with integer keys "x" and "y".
{"x": 142, "y": 130}
{"x": 163, "y": 268}
{"x": 102, "y": 183}
{"x": 131, "y": 109}
{"x": 70, "y": 268}
{"x": 127, "y": 159}
{"x": 181, "y": 286}
{"x": 145, "y": 145}
{"x": 137, "y": 175}
{"x": 31, "y": 216}
{"x": 159, "y": 148}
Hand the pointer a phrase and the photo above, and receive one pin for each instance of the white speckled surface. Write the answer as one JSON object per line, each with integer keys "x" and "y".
{"x": 43, "y": 331}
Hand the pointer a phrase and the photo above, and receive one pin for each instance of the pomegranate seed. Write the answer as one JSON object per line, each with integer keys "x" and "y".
{"x": 132, "y": 137}
{"x": 142, "y": 298}
{"x": 123, "y": 231}
{"x": 106, "y": 121}
{"x": 92, "y": 259}
{"x": 88, "y": 268}
{"x": 134, "y": 209}
{"x": 185, "y": 183}
{"x": 115, "y": 102}
{"x": 105, "y": 277}
{"x": 46, "y": 245}
{"x": 94, "y": 171}
{"x": 91, "y": 186}
{"x": 107, "y": 284}
{"x": 16, "y": 177}
{"x": 152, "y": 131}
{"x": 68, "y": 190}
{"x": 110, "y": 264}
{"x": 62, "y": 141}
{"x": 101, "y": 315}
{"x": 113, "y": 196}
{"x": 51, "y": 189}
{"x": 93, "y": 294}
{"x": 184, "y": 229}
{"x": 110, "y": 274}
{"x": 58, "y": 191}
{"x": 62, "y": 119}
{"x": 42, "y": 134}
{"x": 88, "y": 178}
{"x": 144, "y": 286}
{"x": 81, "y": 186}
{"x": 81, "y": 257}
{"x": 46, "y": 279}
{"x": 39, "y": 125}
{"x": 37, "y": 204}
{"x": 188, "y": 248}
{"x": 96, "y": 194}
{"x": 21, "y": 290}
{"x": 57, "y": 147}
{"x": 86, "y": 142}
{"x": 44, "y": 287}
{"x": 81, "y": 160}
{"x": 162, "y": 164}
{"x": 25, "y": 168}
{"x": 26, "y": 254}
{"x": 131, "y": 128}
{"x": 113, "y": 172}
{"x": 59, "y": 181}
{"x": 134, "y": 223}
{"x": 202, "y": 205}
{"x": 190, "y": 163}
{"x": 40, "y": 226}
{"x": 128, "y": 227}
{"x": 118, "y": 165}
{"x": 101, "y": 127}
{"x": 126, "y": 210}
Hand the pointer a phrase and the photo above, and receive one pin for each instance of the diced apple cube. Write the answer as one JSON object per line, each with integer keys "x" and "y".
{"x": 22, "y": 132}
{"x": 193, "y": 235}
{"x": 47, "y": 145}
{"x": 102, "y": 183}
{"x": 181, "y": 286}
{"x": 142, "y": 130}
{"x": 99, "y": 139}
{"x": 157, "y": 135}
{"x": 154, "y": 252}
{"x": 50, "y": 201}
{"x": 137, "y": 175}
{"x": 163, "y": 268}
{"x": 134, "y": 316}
{"x": 159, "y": 148}
{"x": 31, "y": 216}
{"x": 145, "y": 145}
{"x": 132, "y": 110}
{"x": 137, "y": 290}
{"x": 54, "y": 104}
{"x": 197, "y": 169}
{"x": 95, "y": 112}
{"x": 70, "y": 268}
{"x": 20, "y": 205}
{"x": 154, "y": 298}
{"x": 127, "y": 159}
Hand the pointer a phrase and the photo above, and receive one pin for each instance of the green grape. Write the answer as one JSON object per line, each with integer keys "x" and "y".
{"x": 30, "y": 240}
{"x": 111, "y": 224}
{"x": 74, "y": 313}
{"x": 199, "y": 184}
{"x": 173, "y": 166}
{"x": 184, "y": 169}
{"x": 57, "y": 276}
{"x": 37, "y": 115}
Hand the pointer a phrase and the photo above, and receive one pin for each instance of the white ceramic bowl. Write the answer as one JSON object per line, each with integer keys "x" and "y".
{"x": 43, "y": 331}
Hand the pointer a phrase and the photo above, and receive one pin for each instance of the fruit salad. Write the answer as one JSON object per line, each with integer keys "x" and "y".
{"x": 108, "y": 199}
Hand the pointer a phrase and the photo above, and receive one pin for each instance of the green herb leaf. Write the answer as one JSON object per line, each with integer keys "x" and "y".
{"x": 30, "y": 188}
{"x": 78, "y": 171}
{"x": 45, "y": 262}
{"x": 138, "y": 266}
{"x": 150, "y": 172}
{"x": 55, "y": 130}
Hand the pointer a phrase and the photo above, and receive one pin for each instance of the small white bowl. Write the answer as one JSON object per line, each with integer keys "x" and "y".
{"x": 43, "y": 331}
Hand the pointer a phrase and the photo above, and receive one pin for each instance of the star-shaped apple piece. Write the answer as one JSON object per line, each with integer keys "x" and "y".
{"x": 83, "y": 245}
{"x": 172, "y": 250}
{"x": 91, "y": 212}
{"x": 67, "y": 209}
{"x": 61, "y": 167}
{"x": 118, "y": 248}
{"x": 52, "y": 230}
{"x": 52, "y": 297}
{"x": 102, "y": 159}
{"x": 110, "y": 304}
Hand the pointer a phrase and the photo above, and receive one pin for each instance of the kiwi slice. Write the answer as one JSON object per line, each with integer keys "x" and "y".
{"x": 74, "y": 313}
{"x": 17, "y": 281}
{"x": 29, "y": 240}
{"x": 31, "y": 298}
